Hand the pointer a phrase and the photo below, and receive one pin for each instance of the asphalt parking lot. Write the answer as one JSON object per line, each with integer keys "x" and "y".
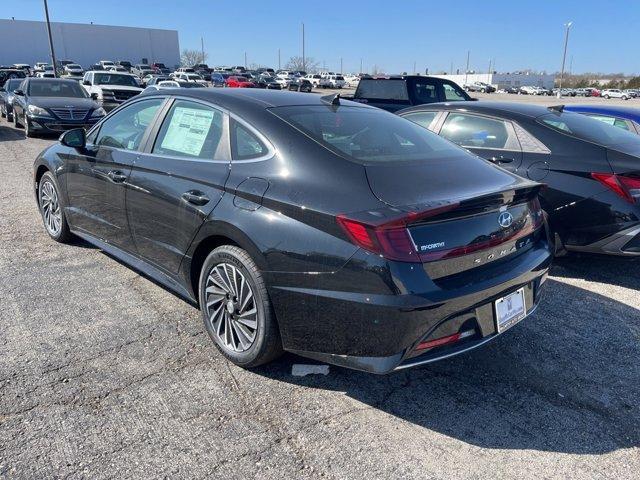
{"x": 104, "y": 374}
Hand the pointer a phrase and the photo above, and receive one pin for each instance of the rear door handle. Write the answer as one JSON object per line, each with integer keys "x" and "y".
{"x": 116, "y": 176}
{"x": 501, "y": 159}
{"x": 195, "y": 197}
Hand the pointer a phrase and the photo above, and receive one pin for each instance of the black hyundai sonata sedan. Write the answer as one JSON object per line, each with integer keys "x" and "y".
{"x": 322, "y": 227}
{"x": 592, "y": 169}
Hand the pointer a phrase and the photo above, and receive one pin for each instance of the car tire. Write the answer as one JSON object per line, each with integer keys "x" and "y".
{"x": 52, "y": 209}
{"x": 28, "y": 131}
{"x": 16, "y": 122}
{"x": 3, "y": 112}
{"x": 607, "y": 97}
{"x": 624, "y": 97}
{"x": 247, "y": 341}
{"x": 482, "y": 90}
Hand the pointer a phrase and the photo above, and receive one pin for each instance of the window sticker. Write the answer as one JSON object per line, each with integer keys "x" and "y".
{"x": 188, "y": 130}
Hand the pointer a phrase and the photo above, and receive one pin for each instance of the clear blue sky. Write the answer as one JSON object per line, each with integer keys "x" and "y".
{"x": 518, "y": 34}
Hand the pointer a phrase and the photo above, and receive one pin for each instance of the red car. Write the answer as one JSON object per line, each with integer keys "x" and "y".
{"x": 239, "y": 82}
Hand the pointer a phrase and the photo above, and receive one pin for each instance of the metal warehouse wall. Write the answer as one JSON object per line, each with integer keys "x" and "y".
{"x": 26, "y": 42}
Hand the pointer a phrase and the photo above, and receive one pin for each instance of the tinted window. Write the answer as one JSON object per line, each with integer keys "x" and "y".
{"x": 425, "y": 91}
{"x": 13, "y": 84}
{"x": 383, "y": 89}
{"x": 451, "y": 93}
{"x": 586, "y": 128}
{"x": 476, "y": 132}
{"x": 365, "y": 134}
{"x": 126, "y": 128}
{"x": 245, "y": 144}
{"x": 56, "y": 88}
{"x": 190, "y": 130}
{"x": 423, "y": 119}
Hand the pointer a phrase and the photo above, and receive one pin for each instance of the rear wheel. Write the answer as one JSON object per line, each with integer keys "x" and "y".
{"x": 236, "y": 309}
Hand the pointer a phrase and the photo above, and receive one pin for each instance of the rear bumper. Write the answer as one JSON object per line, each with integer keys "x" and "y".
{"x": 625, "y": 243}
{"x": 379, "y": 333}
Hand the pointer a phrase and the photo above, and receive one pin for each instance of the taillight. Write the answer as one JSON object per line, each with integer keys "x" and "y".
{"x": 625, "y": 187}
{"x": 389, "y": 238}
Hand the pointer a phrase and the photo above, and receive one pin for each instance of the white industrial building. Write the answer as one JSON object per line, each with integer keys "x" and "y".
{"x": 24, "y": 41}
{"x": 504, "y": 80}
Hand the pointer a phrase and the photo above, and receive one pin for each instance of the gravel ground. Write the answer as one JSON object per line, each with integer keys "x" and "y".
{"x": 103, "y": 374}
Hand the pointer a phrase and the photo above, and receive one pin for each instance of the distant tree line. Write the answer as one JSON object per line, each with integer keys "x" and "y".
{"x": 614, "y": 80}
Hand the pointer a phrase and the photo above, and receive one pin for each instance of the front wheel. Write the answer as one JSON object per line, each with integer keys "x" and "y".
{"x": 28, "y": 131}
{"x": 607, "y": 97}
{"x": 236, "y": 309}
{"x": 53, "y": 216}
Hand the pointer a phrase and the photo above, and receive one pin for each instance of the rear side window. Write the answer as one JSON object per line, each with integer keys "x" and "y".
{"x": 424, "y": 119}
{"x": 191, "y": 130}
{"x": 616, "y": 122}
{"x": 366, "y": 135}
{"x": 475, "y": 131}
{"x": 425, "y": 91}
{"x": 583, "y": 127}
{"x": 245, "y": 145}
{"x": 126, "y": 128}
{"x": 383, "y": 89}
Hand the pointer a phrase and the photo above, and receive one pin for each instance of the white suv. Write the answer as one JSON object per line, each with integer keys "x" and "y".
{"x": 614, "y": 93}
{"x": 336, "y": 81}
{"x": 111, "y": 88}
{"x": 317, "y": 80}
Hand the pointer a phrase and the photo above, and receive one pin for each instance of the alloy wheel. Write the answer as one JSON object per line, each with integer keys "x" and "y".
{"x": 50, "y": 206}
{"x": 231, "y": 307}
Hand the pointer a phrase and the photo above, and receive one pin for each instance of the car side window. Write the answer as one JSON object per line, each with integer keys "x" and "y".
{"x": 245, "y": 145}
{"x": 126, "y": 128}
{"x": 475, "y": 131}
{"x": 191, "y": 130}
{"x": 616, "y": 122}
{"x": 424, "y": 119}
{"x": 425, "y": 91}
{"x": 450, "y": 93}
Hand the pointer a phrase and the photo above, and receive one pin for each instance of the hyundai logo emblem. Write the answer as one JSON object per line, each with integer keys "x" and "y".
{"x": 505, "y": 219}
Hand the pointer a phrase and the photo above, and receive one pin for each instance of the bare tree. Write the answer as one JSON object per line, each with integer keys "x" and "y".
{"x": 189, "y": 58}
{"x": 296, "y": 64}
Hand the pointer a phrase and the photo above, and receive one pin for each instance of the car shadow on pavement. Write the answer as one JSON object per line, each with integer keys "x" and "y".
{"x": 10, "y": 134}
{"x": 621, "y": 271}
{"x": 566, "y": 380}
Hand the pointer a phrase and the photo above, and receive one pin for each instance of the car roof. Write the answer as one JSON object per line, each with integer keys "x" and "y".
{"x": 625, "y": 112}
{"x": 487, "y": 107}
{"x": 249, "y": 97}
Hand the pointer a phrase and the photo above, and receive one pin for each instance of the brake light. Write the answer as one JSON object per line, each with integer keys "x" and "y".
{"x": 625, "y": 187}
{"x": 438, "y": 342}
{"x": 389, "y": 238}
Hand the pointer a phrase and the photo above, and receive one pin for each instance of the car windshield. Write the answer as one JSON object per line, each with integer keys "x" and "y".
{"x": 111, "y": 79}
{"x": 366, "y": 135}
{"x": 56, "y": 88}
{"x": 74, "y": 66}
{"x": 586, "y": 128}
{"x": 194, "y": 77}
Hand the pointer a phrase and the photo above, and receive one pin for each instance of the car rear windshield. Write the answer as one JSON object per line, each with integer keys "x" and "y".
{"x": 113, "y": 79}
{"x": 366, "y": 135}
{"x": 586, "y": 128}
{"x": 190, "y": 85}
{"x": 56, "y": 88}
{"x": 383, "y": 89}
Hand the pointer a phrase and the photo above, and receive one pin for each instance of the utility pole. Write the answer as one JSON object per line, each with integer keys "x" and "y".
{"x": 451, "y": 71}
{"x": 571, "y": 65}
{"x": 466, "y": 72}
{"x": 202, "y": 48}
{"x": 564, "y": 56}
{"x": 53, "y": 54}
{"x": 245, "y": 60}
{"x": 414, "y": 67}
{"x": 279, "y": 67}
{"x": 361, "y": 66}
{"x": 341, "y": 65}
{"x": 304, "y": 61}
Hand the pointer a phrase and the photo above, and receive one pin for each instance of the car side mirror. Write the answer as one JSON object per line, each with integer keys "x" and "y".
{"x": 76, "y": 138}
{"x": 94, "y": 96}
{"x": 86, "y": 82}
{"x": 18, "y": 92}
